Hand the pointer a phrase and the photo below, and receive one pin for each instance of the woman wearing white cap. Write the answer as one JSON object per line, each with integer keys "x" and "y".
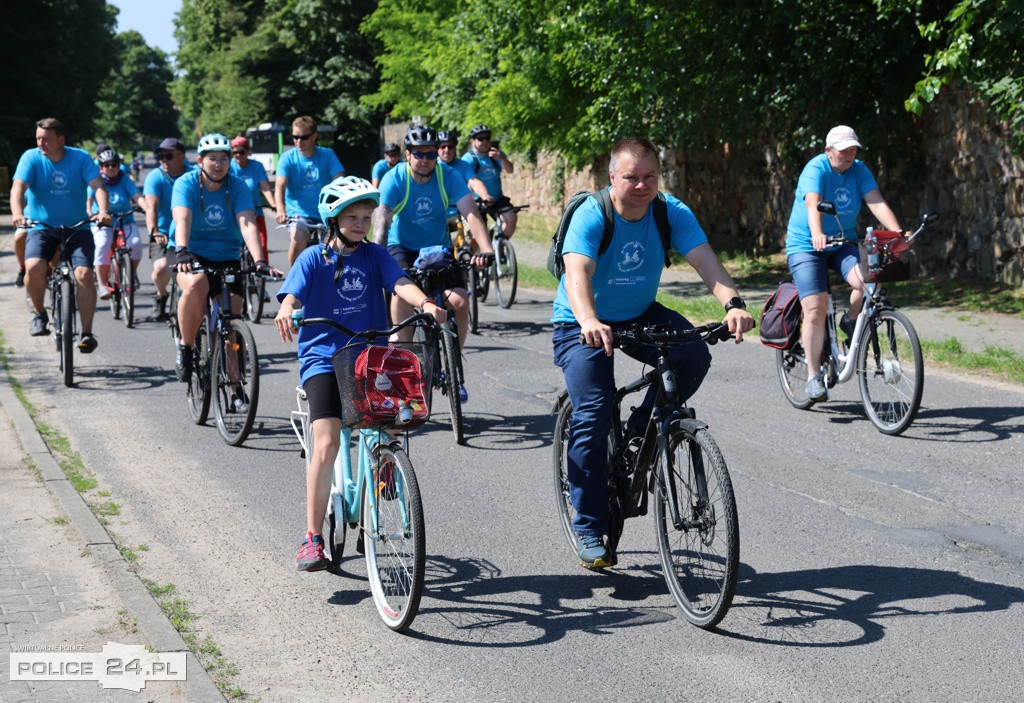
{"x": 837, "y": 176}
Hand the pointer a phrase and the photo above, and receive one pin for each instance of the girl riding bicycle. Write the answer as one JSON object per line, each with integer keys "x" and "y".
{"x": 122, "y": 194}
{"x": 345, "y": 280}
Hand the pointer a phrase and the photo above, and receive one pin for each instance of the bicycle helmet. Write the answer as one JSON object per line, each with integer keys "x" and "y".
{"x": 420, "y": 136}
{"x": 107, "y": 156}
{"x": 342, "y": 192}
{"x": 213, "y": 142}
{"x": 478, "y": 130}
{"x": 447, "y": 135}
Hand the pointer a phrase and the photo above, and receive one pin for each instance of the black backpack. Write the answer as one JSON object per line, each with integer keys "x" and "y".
{"x": 555, "y": 264}
{"x": 780, "y": 318}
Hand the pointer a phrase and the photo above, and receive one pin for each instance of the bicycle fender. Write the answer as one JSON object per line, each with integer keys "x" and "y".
{"x": 561, "y": 400}
{"x": 689, "y": 425}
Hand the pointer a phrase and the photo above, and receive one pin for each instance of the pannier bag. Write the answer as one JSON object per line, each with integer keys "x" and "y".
{"x": 780, "y": 318}
{"x": 386, "y": 388}
{"x": 884, "y": 256}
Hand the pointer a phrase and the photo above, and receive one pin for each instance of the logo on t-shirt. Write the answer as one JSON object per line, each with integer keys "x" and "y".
{"x": 215, "y": 215}
{"x": 312, "y": 173}
{"x": 632, "y": 257}
{"x": 423, "y": 206}
{"x": 352, "y": 284}
{"x": 60, "y": 181}
{"x": 843, "y": 200}
{"x": 116, "y": 198}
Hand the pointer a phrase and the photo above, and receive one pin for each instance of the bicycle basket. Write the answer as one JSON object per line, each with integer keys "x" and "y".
{"x": 893, "y": 261}
{"x": 384, "y": 386}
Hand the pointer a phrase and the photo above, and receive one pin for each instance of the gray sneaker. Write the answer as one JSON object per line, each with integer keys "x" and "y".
{"x": 37, "y": 328}
{"x": 592, "y": 552}
{"x": 816, "y": 388}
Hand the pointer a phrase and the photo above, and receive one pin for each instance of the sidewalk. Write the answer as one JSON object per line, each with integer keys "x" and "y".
{"x": 65, "y": 590}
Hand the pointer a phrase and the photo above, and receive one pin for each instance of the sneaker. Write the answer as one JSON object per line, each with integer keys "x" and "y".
{"x": 463, "y": 394}
{"x": 592, "y": 552}
{"x": 37, "y": 328}
{"x": 311, "y": 554}
{"x": 160, "y": 305}
{"x": 104, "y": 292}
{"x": 87, "y": 343}
{"x": 847, "y": 326}
{"x": 20, "y": 280}
{"x": 816, "y": 388}
{"x": 239, "y": 403}
{"x": 183, "y": 363}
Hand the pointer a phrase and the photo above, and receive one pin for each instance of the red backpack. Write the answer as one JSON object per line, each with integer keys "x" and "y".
{"x": 387, "y": 378}
{"x": 780, "y": 318}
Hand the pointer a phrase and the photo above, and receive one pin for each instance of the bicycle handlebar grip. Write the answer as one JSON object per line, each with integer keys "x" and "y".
{"x": 298, "y": 317}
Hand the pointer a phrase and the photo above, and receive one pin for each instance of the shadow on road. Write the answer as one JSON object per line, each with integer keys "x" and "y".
{"x": 977, "y": 424}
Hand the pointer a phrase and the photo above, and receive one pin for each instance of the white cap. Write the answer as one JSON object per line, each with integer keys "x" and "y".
{"x": 842, "y": 137}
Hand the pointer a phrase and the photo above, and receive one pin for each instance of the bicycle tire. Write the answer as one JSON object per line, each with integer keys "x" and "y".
{"x": 700, "y": 562}
{"x": 172, "y": 313}
{"x": 198, "y": 389}
{"x": 115, "y": 290}
{"x": 471, "y": 276}
{"x": 891, "y": 379}
{"x": 506, "y": 276}
{"x": 238, "y": 345}
{"x": 792, "y": 367}
{"x": 253, "y": 288}
{"x": 450, "y": 349}
{"x": 67, "y": 330}
{"x": 127, "y": 285}
{"x": 396, "y": 553}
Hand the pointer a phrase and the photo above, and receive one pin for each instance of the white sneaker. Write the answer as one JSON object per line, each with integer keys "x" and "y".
{"x": 103, "y": 291}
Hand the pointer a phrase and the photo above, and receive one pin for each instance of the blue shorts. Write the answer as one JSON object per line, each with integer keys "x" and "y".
{"x": 43, "y": 244}
{"x": 810, "y": 269}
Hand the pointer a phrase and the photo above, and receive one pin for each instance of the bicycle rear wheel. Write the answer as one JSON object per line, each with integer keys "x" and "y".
{"x": 890, "y": 371}
{"x": 792, "y": 368}
{"x": 396, "y": 551}
{"x": 198, "y": 389}
{"x": 505, "y": 272}
{"x": 236, "y": 383}
{"x": 450, "y": 349}
{"x": 472, "y": 277}
{"x": 67, "y": 330}
{"x": 127, "y": 283}
{"x": 700, "y": 555}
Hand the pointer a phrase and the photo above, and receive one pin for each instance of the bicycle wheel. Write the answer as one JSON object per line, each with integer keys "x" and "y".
{"x": 450, "y": 349}
{"x": 172, "y": 313}
{"x": 506, "y": 272}
{"x": 254, "y": 286}
{"x": 127, "y": 284}
{"x": 115, "y": 290}
{"x": 792, "y": 367}
{"x": 890, "y": 370}
{"x": 198, "y": 389}
{"x": 67, "y": 330}
{"x": 396, "y": 550}
{"x": 236, "y": 383}
{"x": 560, "y": 444}
{"x": 700, "y": 557}
{"x": 472, "y": 277}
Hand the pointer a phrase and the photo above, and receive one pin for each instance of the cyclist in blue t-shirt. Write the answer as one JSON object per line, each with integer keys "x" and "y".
{"x": 392, "y": 155}
{"x": 839, "y": 177}
{"x": 301, "y": 173}
{"x": 213, "y": 218}
{"x": 122, "y": 194}
{"x": 255, "y": 176}
{"x": 488, "y": 162}
{"x": 344, "y": 280}
{"x": 615, "y": 289}
{"x": 49, "y": 185}
{"x": 158, "y": 189}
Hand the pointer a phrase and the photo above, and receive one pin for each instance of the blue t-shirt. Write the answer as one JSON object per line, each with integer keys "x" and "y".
{"x": 253, "y": 174}
{"x": 627, "y": 275}
{"x": 846, "y": 190}
{"x": 120, "y": 195}
{"x": 356, "y": 300}
{"x": 488, "y": 170}
{"x": 161, "y": 185}
{"x": 422, "y": 221}
{"x": 305, "y": 179}
{"x": 56, "y": 191}
{"x": 214, "y": 233}
{"x": 380, "y": 168}
{"x": 464, "y": 169}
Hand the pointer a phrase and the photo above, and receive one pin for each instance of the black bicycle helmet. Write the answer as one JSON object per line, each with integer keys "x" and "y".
{"x": 421, "y": 136}
{"x": 447, "y": 135}
{"x": 479, "y": 129}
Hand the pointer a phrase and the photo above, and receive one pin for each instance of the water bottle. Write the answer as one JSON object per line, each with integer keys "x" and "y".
{"x": 871, "y": 245}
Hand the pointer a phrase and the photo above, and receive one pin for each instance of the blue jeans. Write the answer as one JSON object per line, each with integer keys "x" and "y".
{"x": 590, "y": 380}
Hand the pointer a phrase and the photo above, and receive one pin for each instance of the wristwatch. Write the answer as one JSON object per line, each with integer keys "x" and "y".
{"x": 735, "y": 302}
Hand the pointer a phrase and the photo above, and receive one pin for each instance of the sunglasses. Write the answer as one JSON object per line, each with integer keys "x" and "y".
{"x": 302, "y": 137}
{"x": 164, "y": 156}
{"x": 238, "y": 151}
{"x": 482, "y": 137}
{"x": 425, "y": 155}
{"x": 109, "y": 163}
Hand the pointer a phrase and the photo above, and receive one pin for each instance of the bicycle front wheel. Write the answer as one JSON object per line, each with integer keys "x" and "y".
{"x": 890, "y": 370}
{"x": 115, "y": 289}
{"x": 67, "y": 330}
{"x": 236, "y": 383}
{"x": 255, "y": 285}
{"x": 472, "y": 277}
{"x": 698, "y": 527}
{"x": 198, "y": 389}
{"x": 506, "y": 272}
{"x": 127, "y": 284}
{"x": 450, "y": 349}
{"x": 395, "y": 546}
{"x": 792, "y": 367}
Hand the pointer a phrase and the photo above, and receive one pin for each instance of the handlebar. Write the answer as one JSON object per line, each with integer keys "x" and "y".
{"x": 37, "y": 223}
{"x": 223, "y": 270}
{"x": 298, "y": 320}
{"x": 827, "y": 207}
{"x": 665, "y": 334}
{"x": 492, "y": 209}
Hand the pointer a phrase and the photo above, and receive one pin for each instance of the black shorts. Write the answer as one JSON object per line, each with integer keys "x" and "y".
{"x": 215, "y": 281}
{"x": 407, "y": 257}
{"x": 323, "y": 396}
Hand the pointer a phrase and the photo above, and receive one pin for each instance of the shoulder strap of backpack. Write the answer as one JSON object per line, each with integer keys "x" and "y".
{"x": 605, "y": 201}
{"x": 408, "y": 180}
{"x": 664, "y": 228}
{"x": 439, "y": 172}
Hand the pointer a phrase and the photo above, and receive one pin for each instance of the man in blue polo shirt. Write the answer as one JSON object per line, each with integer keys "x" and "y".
{"x": 52, "y": 180}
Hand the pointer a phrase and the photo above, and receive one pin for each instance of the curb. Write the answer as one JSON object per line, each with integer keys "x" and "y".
{"x": 136, "y": 598}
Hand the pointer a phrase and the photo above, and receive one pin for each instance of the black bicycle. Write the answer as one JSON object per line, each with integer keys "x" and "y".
{"x": 121, "y": 280}
{"x": 678, "y": 461}
{"x": 504, "y": 270}
{"x": 62, "y": 286}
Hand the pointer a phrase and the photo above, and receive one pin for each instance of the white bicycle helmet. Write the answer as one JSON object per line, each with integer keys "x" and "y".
{"x": 342, "y": 192}
{"x": 213, "y": 142}
{"x": 107, "y": 156}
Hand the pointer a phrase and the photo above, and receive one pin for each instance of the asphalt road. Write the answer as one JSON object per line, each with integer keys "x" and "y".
{"x": 873, "y": 568}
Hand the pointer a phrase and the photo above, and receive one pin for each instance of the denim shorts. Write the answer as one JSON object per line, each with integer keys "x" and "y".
{"x": 810, "y": 269}
{"x": 43, "y": 244}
